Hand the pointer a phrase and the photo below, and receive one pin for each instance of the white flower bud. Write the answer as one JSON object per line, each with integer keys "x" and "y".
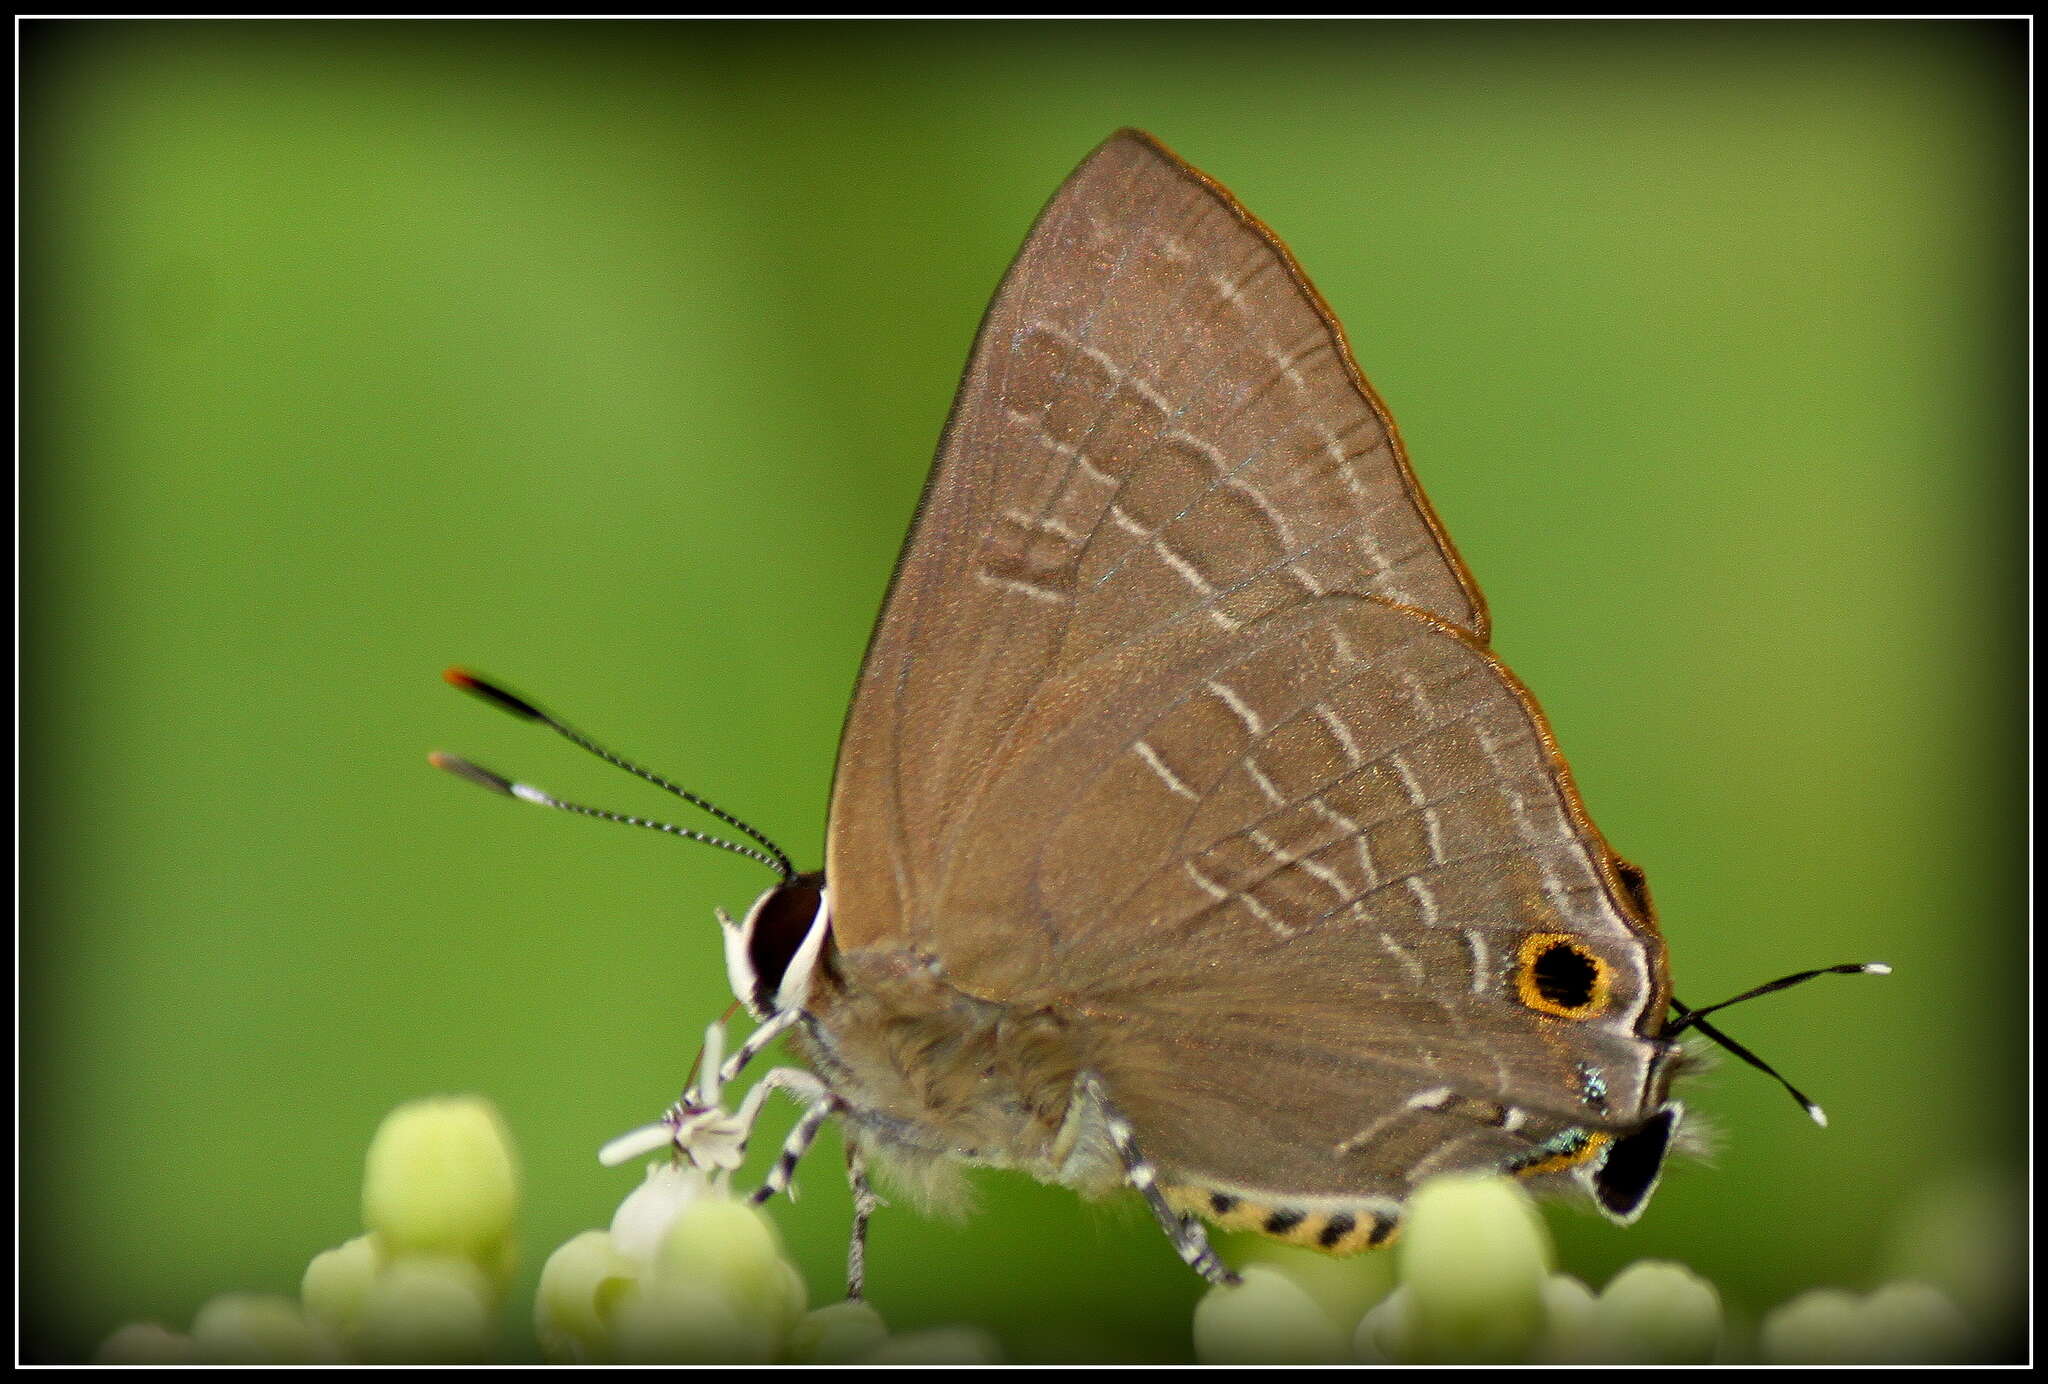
{"x": 441, "y": 1178}
{"x": 682, "y": 1322}
{"x": 1268, "y": 1319}
{"x": 427, "y": 1310}
{"x": 1474, "y": 1255}
{"x": 949, "y": 1345}
{"x": 337, "y": 1283}
{"x": 579, "y": 1285}
{"x": 145, "y": 1343}
{"x": 837, "y": 1335}
{"x": 734, "y": 1247}
{"x": 648, "y": 1211}
{"x": 1657, "y": 1313}
{"x": 1344, "y": 1287}
{"x": 258, "y": 1329}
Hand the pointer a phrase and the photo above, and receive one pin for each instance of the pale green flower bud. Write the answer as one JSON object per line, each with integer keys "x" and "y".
{"x": 1567, "y": 1321}
{"x": 1912, "y": 1323}
{"x": 837, "y": 1335}
{"x": 1656, "y": 1313}
{"x": 950, "y": 1345}
{"x": 146, "y": 1343}
{"x": 441, "y": 1178}
{"x": 684, "y": 1322}
{"x": 1823, "y": 1327}
{"x": 1345, "y": 1288}
{"x": 1383, "y": 1333}
{"x": 1901, "y": 1323}
{"x": 732, "y": 1246}
{"x": 580, "y": 1287}
{"x": 337, "y": 1283}
{"x": 1474, "y": 1255}
{"x": 644, "y": 1217}
{"x": 427, "y": 1310}
{"x": 258, "y": 1329}
{"x": 1268, "y": 1319}
{"x": 1967, "y": 1237}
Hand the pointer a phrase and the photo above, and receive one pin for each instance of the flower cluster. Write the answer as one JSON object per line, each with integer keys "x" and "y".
{"x": 423, "y": 1285}
{"x": 684, "y": 1274}
{"x": 1471, "y": 1282}
{"x": 688, "y": 1275}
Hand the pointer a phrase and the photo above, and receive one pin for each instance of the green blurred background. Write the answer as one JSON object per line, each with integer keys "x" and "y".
{"x": 608, "y": 358}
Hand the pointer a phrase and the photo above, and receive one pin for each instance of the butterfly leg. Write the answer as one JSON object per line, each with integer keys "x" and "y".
{"x": 757, "y": 1040}
{"x": 801, "y": 1085}
{"x": 864, "y": 1203}
{"x": 1190, "y": 1239}
{"x": 795, "y": 1147}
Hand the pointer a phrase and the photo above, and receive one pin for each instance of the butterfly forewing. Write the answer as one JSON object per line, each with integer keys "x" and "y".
{"x": 1159, "y": 418}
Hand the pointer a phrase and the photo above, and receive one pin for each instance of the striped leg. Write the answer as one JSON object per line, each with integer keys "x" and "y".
{"x": 800, "y": 1084}
{"x": 1189, "y": 1239}
{"x": 864, "y": 1203}
{"x": 794, "y": 1148}
{"x": 757, "y": 1040}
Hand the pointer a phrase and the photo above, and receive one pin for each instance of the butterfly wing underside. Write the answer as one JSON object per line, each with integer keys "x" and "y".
{"x": 1179, "y": 722}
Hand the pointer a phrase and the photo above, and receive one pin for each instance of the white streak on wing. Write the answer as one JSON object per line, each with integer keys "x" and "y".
{"x": 1140, "y": 386}
{"x": 1482, "y": 975}
{"x": 1209, "y": 886}
{"x": 1334, "y": 723}
{"x": 1252, "y": 724}
{"x": 1267, "y": 916}
{"x": 1166, "y": 775}
{"x": 1187, "y": 570}
{"x": 1265, "y": 784}
{"x": 1407, "y": 959}
{"x": 1424, "y": 898}
{"x": 1046, "y": 522}
{"x": 1420, "y": 803}
{"x": 1289, "y": 860}
{"x": 1435, "y": 1098}
{"x": 1022, "y": 588}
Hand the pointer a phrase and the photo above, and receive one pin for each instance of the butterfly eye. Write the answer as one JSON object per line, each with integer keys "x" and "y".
{"x": 776, "y": 929}
{"x": 1557, "y": 975}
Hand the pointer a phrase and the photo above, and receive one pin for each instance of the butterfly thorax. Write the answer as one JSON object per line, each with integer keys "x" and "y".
{"x": 929, "y": 1071}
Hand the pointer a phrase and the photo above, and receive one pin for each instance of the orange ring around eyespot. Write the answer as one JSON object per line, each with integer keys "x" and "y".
{"x": 1533, "y": 948}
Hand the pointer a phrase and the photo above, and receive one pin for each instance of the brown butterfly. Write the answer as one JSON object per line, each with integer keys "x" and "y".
{"x": 1186, "y": 833}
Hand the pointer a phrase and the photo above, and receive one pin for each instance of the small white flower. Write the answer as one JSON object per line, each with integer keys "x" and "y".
{"x": 697, "y": 1127}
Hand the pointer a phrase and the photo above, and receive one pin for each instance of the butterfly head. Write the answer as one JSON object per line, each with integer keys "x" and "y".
{"x": 770, "y": 954}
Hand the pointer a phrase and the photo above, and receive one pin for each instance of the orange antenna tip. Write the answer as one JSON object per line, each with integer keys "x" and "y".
{"x": 492, "y": 693}
{"x": 475, "y": 773}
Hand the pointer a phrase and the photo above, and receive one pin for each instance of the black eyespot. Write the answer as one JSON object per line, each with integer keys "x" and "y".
{"x": 1222, "y": 1203}
{"x": 1628, "y": 1174}
{"x": 778, "y": 924}
{"x": 1335, "y": 1229}
{"x": 1559, "y": 975}
{"x": 1564, "y": 975}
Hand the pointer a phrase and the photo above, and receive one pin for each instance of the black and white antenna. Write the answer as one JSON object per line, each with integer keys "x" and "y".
{"x": 770, "y": 855}
{"x": 1696, "y": 1018}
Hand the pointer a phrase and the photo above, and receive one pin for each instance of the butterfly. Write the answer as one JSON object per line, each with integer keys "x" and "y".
{"x": 1187, "y": 835}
